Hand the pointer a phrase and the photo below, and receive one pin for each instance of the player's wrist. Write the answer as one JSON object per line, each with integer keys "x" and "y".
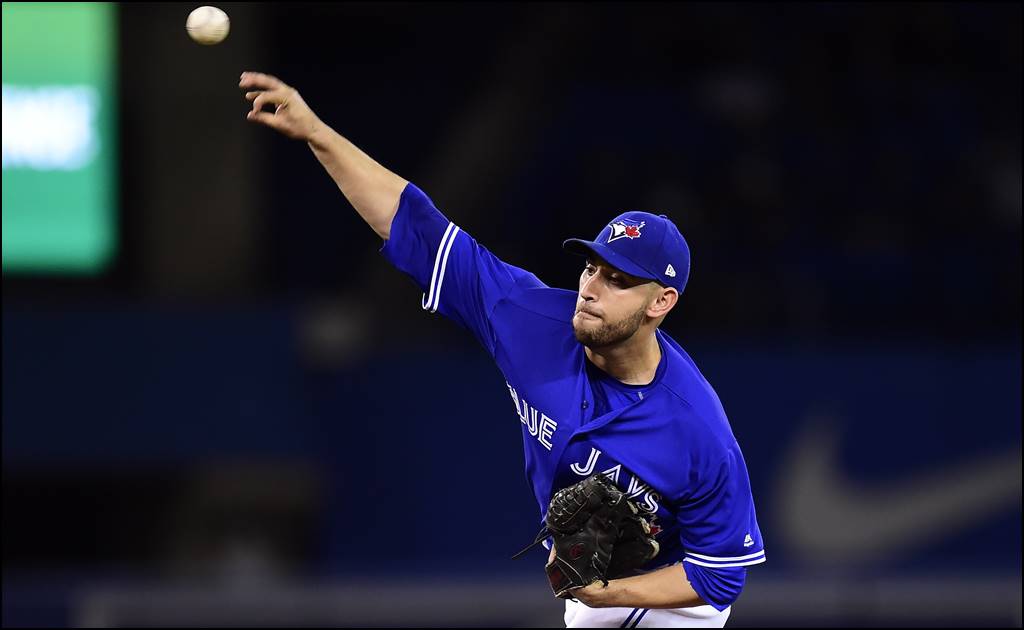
{"x": 319, "y": 135}
{"x": 596, "y": 595}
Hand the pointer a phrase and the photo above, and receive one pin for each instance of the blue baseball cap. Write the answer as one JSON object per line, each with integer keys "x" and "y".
{"x": 642, "y": 244}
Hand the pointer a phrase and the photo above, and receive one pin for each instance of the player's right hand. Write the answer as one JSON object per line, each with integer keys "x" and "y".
{"x": 291, "y": 115}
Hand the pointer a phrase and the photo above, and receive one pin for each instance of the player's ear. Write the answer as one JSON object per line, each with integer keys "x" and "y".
{"x": 662, "y": 301}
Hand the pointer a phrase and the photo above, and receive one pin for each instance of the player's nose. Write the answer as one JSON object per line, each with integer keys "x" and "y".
{"x": 587, "y": 288}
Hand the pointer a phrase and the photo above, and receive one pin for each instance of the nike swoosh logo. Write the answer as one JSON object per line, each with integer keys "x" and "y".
{"x": 826, "y": 518}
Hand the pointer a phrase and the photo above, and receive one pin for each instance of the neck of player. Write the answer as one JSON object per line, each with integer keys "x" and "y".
{"x": 633, "y": 361}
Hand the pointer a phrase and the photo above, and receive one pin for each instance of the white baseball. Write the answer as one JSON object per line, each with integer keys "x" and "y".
{"x": 208, "y": 25}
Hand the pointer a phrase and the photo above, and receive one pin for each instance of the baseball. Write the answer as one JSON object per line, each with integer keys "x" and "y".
{"x": 208, "y": 25}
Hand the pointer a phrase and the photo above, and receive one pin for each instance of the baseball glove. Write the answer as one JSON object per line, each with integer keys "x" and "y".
{"x": 598, "y": 534}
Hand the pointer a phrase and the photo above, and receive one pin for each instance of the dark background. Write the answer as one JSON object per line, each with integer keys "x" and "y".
{"x": 248, "y": 418}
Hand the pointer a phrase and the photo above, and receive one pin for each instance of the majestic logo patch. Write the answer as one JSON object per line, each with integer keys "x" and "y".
{"x": 621, "y": 229}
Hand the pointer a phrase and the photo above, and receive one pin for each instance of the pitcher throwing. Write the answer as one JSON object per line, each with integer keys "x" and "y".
{"x": 597, "y": 386}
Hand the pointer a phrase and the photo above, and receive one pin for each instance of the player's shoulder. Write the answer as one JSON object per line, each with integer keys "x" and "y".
{"x": 693, "y": 401}
{"x": 684, "y": 379}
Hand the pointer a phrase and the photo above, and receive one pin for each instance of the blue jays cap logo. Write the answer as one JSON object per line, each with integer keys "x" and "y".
{"x": 625, "y": 229}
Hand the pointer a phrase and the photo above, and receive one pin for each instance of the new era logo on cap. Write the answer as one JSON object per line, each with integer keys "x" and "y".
{"x": 670, "y": 272}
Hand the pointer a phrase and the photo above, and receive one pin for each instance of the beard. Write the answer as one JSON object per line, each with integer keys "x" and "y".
{"x": 610, "y": 333}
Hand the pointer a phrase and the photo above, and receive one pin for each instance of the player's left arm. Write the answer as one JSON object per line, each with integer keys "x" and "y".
{"x": 668, "y": 587}
{"x": 718, "y": 529}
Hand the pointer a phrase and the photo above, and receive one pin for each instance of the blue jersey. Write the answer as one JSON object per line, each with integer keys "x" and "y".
{"x": 668, "y": 445}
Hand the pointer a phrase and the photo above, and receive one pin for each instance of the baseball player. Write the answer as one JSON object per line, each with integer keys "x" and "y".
{"x": 597, "y": 386}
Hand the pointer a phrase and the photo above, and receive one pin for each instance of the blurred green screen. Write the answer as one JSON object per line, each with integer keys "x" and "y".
{"x": 59, "y": 137}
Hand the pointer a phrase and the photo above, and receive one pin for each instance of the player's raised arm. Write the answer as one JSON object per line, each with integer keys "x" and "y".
{"x": 373, "y": 190}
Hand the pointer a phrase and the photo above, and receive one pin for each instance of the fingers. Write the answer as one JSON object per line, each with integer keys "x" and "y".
{"x": 260, "y": 81}
{"x": 265, "y": 90}
{"x": 264, "y": 118}
{"x": 277, "y": 98}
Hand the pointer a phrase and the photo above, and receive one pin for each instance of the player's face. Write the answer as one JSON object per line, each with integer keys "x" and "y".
{"x": 611, "y": 305}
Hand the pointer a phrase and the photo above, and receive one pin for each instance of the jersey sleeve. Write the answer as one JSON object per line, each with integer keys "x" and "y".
{"x": 718, "y": 526}
{"x": 460, "y": 279}
{"x": 719, "y": 587}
